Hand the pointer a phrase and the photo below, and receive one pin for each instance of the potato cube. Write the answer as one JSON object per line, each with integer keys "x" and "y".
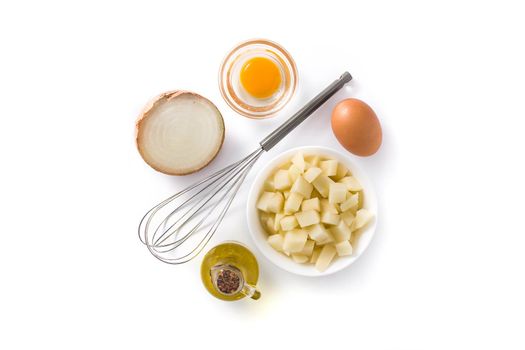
{"x": 289, "y": 223}
{"x": 308, "y": 248}
{"x": 311, "y": 204}
{"x": 264, "y": 199}
{"x": 264, "y": 216}
{"x": 319, "y": 234}
{"x": 307, "y": 218}
{"x": 294, "y": 241}
{"x": 322, "y": 184}
{"x": 312, "y": 173}
{"x": 326, "y": 206}
{"x": 337, "y": 193}
{"x": 293, "y": 203}
{"x": 276, "y": 242}
{"x": 360, "y": 200}
{"x": 277, "y": 221}
{"x": 315, "y": 255}
{"x": 298, "y": 161}
{"x": 316, "y": 194}
{"x": 362, "y": 217}
{"x": 285, "y": 166}
{"x": 350, "y": 203}
{"x": 348, "y": 218}
{"x": 303, "y": 187}
{"x": 351, "y": 183}
{"x": 269, "y": 225}
{"x": 314, "y": 160}
{"x": 329, "y": 167}
{"x": 343, "y": 248}
{"x": 329, "y": 218}
{"x": 341, "y": 172}
{"x": 341, "y": 232}
{"x": 281, "y": 180}
{"x": 269, "y": 186}
{"x": 275, "y": 204}
{"x": 325, "y": 257}
{"x": 294, "y": 172}
{"x": 300, "y": 258}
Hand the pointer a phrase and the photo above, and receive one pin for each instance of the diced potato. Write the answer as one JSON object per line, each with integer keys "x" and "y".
{"x": 281, "y": 180}
{"x": 351, "y": 183}
{"x": 312, "y": 173}
{"x": 360, "y": 200}
{"x": 289, "y": 223}
{"x": 322, "y": 184}
{"x": 300, "y": 258}
{"x": 325, "y": 257}
{"x": 276, "y": 242}
{"x": 308, "y": 248}
{"x": 270, "y": 224}
{"x": 341, "y": 232}
{"x": 275, "y": 204}
{"x": 341, "y": 172}
{"x": 316, "y": 194}
{"x": 293, "y": 203}
{"x": 343, "y": 248}
{"x": 337, "y": 193}
{"x": 294, "y": 172}
{"x": 264, "y": 217}
{"x": 329, "y": 167}
{"x": 362, "y": 218}
{"x": 310, "y": 217}
{"x": 307, "y": 218}
{"x": 326, "y": 206}
{"x": 303, "y": 187}
{"x": 285, "y": 166}
{"x": 329, "y": 218}
{"x": 311, "y": 204}
{"x": 350, "y": 203}
{"x": 298, "y": 161}
{"x": 294, "y": 241}
{"x": 314, "y": 160}
{"x": 264, "y": 199}
{"x": 315, "y": 255}
{"x": 269, "y": 186}
{"x": 277, "y": 221}
{"x": 348, "y": 218}
{"x": 319, "y": 234}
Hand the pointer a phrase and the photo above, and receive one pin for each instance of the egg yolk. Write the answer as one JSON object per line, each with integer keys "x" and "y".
{"x": 260, "y": 77}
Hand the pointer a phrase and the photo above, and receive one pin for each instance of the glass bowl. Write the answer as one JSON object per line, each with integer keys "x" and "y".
{"x": 234, "y": 94}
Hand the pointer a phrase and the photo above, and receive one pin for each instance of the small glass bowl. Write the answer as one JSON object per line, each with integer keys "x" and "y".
{"x": 234, "y": 94}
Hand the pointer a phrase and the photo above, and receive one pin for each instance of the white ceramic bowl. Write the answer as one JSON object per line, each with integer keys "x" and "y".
{"x": 259, "y": 235}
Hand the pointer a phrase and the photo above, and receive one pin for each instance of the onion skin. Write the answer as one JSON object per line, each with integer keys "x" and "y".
{"x": 146, "y": 112}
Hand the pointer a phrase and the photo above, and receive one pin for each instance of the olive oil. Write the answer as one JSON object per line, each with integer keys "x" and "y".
{"x": 230, "y": 272}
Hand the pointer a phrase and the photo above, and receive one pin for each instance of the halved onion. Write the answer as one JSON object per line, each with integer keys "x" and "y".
{"x": 179, "y": 132}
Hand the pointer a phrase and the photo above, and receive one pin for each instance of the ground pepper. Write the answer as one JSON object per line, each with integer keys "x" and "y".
{"x": 228, "y": 281}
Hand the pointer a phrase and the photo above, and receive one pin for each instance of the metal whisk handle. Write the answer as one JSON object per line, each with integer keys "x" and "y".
{"x": 278, "y": 134}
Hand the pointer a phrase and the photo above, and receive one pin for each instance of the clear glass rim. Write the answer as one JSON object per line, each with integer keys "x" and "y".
{"x": 224, "y": 78}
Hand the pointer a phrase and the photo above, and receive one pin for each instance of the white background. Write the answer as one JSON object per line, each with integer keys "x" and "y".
{"x": 446, "y": 267}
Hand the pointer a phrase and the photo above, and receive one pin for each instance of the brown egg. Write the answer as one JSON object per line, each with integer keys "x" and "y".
{"x": 356, "y": 127}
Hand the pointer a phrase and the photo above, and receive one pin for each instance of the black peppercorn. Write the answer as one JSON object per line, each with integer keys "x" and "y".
{"x": 228, "y": 281}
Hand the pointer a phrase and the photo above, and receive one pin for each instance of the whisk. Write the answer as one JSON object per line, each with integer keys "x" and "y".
{"x": 191, "y": 217}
